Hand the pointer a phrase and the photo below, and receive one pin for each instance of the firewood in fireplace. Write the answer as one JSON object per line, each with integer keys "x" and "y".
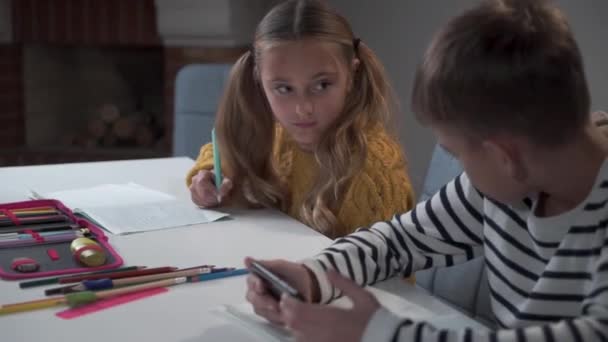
{"x": 109, "y": 140}
{"x": 97, "y": 128}
{"x": 144, "y": 136}
{"x": 124, "y": 128}
{"x": 91, "y": 143}
{"x": 109, "y": 113}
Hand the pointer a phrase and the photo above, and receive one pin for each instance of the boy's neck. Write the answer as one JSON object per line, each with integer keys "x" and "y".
{"x": 570, "y": 173}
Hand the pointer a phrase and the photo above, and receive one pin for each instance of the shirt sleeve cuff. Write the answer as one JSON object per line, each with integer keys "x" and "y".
{"x": 325, "y": 288}
{"x": 382, "y": 326}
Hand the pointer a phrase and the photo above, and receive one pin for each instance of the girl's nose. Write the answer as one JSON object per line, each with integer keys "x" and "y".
{"x": 304, "y": 109}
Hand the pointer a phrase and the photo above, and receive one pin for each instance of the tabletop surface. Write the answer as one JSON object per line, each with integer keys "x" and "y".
{"x": 185, "y": 312}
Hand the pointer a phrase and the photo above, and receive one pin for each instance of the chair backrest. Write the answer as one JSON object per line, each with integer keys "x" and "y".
{"x": 198, "y": 89}
{"x": 464, "y": 286}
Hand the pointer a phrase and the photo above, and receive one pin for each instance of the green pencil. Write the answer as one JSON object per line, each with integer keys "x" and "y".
{"x": 217, "y": 162}
{"x": 217, "y": 165}
{"x": 55, "y": 280}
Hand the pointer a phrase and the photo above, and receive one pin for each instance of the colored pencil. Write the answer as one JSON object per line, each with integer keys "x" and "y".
{"x": 218, "y": 275}
{"x": 81, "y": 298}
{"x": 85, "y": 297}
{"x": 55, "y": 280}
{"x": 43, "y": 236}
{"x": 140, "y": 287}
{"x": 34, "y": 209}
{"x": 42, "y": 227}
{"x": 34, "y": 242}
{"x": 133, "y": 273}
{"x": 217, "y": 166}
{"x": 27, "y": 214}
{"x": 28, "y": 236}
{"x": 82, "y": 286}
{"x": 153, "y": 277}
{"x": 107, "y": 283}
{"x": 34, "y": 220}
{"x": 31, "y": 305}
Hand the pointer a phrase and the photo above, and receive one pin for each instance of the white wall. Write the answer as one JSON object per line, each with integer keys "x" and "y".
{"x": 399, "y": 30}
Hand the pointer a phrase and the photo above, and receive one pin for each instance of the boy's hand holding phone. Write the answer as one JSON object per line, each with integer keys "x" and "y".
{"x": 263, "y": 296}
{"x": 307, "y": 321}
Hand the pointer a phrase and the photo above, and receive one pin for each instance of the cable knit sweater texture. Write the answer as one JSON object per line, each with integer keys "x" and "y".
{"x": 380, "y": 190}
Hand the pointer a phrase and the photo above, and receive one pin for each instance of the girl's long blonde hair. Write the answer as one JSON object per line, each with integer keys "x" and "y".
{"x": 246, "y": 125}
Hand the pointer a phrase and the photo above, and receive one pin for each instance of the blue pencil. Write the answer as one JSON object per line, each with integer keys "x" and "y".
{"x": 218, "y": 275}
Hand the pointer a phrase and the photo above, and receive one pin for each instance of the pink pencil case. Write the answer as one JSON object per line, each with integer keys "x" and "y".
{"x": 35, "y": 240}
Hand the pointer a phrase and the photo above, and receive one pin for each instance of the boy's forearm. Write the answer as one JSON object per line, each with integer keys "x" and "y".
{"x": 407, "y": 243}
{"x": 315, "y": 291}
{"x": 386, "y": 326}
{"x": 362, "y": 256}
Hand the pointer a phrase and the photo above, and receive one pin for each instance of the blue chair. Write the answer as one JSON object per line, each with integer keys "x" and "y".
{"x": 198, "y": 89}
{"x": 463, "y": 286}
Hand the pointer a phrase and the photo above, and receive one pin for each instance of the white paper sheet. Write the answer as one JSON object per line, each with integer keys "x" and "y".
{"x": 131, "y": 208}
{"x": 150, "y": 216}
{"x": 105, "y": 195}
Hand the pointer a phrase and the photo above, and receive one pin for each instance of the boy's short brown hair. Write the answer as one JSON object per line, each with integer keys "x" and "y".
{"x": 505, "y": 66}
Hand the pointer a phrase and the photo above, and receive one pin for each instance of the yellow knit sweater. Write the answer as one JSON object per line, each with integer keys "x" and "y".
{"x": 380, "y": 190}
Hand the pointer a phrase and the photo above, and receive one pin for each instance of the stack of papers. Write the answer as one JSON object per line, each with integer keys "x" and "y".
{"x": 131, "y": 208}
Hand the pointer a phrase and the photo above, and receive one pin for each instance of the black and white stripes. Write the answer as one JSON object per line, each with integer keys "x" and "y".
{"x": 548, "y": 277}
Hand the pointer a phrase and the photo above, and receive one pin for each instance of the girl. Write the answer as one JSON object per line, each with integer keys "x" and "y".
{"x": 302, "y": 126}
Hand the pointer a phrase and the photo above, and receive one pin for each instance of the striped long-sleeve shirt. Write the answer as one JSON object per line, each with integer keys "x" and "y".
{"x": 548, "y": 276}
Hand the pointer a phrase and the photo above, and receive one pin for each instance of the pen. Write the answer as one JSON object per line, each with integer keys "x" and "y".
{"x": 217, "y": 164}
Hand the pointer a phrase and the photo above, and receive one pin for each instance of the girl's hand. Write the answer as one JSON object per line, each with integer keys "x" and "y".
{"x": 203, "y": 190}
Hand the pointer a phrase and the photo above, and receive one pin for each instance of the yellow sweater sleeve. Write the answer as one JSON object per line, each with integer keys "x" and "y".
{"x": 203, "y": 162}
{"x": 381, "y": 190}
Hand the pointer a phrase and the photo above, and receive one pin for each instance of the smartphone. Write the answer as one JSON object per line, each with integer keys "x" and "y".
{"x": 276, "y": 285}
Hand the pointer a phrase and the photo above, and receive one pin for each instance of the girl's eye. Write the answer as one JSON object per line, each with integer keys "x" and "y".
{"x": 321, "y": 86}
{"x": 283, "y": 89}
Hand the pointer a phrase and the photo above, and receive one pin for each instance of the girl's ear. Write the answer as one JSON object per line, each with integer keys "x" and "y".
{"x": 355, "y": 64}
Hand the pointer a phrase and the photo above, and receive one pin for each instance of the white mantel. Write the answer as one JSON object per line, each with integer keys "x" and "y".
{"x": 209, "y": 22}
{"x": 6, "y": 28}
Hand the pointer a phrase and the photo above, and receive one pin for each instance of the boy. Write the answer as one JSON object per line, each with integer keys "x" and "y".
{"x": 503, "y": 88}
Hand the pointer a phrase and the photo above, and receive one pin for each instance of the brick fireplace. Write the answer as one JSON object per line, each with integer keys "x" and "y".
{"x": 70, "y": 68}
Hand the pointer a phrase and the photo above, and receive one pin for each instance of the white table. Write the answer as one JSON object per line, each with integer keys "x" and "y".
{"x": 182, "y": 314}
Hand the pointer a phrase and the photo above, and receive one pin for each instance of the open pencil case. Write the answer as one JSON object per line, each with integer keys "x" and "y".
{"x": 36, "y": 240}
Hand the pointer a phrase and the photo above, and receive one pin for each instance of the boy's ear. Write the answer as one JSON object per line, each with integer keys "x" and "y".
{"x": 508, "y": 156}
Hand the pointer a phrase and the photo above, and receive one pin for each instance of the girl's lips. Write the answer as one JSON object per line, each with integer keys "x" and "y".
{"x": 305, "y": 124}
